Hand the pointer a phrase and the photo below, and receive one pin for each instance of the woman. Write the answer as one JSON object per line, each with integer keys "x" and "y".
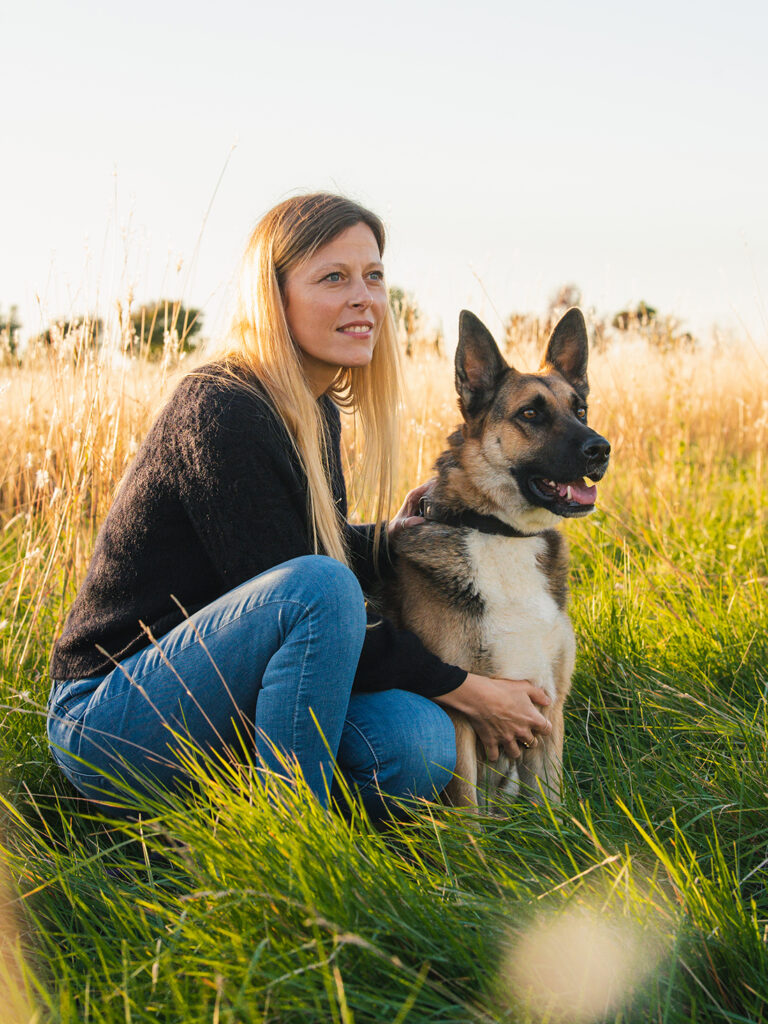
{"x": 223, "y": 603}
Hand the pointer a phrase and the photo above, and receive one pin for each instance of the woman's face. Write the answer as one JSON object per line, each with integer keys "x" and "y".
{"x": 335, "y": 304}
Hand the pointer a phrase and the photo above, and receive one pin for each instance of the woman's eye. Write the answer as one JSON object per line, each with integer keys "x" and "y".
{"x": 376, "y": 275}
{"x": 335, "y": 275}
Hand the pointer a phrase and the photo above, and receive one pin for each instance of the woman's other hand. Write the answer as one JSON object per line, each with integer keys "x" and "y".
{"x": 409, "y": 512}
{"x": 503, "y": 712}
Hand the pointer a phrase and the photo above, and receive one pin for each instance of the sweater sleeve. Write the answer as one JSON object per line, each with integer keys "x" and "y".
{"x": 396, "y": 659}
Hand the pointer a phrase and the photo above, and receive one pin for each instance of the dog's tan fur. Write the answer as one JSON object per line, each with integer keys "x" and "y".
{"x": 493, "y": 604}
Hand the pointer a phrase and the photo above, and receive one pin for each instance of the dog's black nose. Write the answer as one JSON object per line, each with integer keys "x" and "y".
{"x": 596, "y": 450}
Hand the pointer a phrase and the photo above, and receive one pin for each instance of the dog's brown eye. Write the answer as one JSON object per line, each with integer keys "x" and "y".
{"x": 581, "y": 412}
{"x": 529, "y": 414}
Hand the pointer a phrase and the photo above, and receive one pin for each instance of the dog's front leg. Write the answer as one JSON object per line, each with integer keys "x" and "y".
{"x": 461, "y": 791}
{"x": 541, "y": 766}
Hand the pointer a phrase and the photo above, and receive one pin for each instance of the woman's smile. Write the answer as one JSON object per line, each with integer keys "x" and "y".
{"x": 359, "y": 328}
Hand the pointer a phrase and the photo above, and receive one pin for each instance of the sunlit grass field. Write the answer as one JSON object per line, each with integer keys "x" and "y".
{"x": 642, "y": 898}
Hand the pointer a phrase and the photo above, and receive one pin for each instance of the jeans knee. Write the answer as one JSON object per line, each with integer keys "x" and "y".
{"x": 424, "y": 763}
{"x": 331, "y": 589}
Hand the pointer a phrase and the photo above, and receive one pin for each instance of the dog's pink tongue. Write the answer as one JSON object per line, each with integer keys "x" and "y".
{"x": 580, "y": 493}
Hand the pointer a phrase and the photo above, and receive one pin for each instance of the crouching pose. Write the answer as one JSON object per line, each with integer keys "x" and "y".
{"x": 224, "y": 600}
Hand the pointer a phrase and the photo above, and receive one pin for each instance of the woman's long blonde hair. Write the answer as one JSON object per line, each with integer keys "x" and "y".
{"x": 260, "y": 344}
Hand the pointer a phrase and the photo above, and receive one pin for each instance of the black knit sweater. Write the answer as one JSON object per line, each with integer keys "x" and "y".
{"x": 214, "y": 497}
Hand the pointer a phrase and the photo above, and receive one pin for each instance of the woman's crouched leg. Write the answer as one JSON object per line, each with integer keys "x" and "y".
{"x": 396, "y": 744}
{"x": 259, "y": 665}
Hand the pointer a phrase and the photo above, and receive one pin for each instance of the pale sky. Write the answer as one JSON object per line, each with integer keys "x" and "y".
{"x": 510, "y": 147}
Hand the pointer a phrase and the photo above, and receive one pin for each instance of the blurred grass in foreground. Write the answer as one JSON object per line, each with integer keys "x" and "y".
{"x": 234, "y": 906}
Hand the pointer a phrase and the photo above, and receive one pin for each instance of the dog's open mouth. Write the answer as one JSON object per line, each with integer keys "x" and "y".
{"x": 574, "y": 498}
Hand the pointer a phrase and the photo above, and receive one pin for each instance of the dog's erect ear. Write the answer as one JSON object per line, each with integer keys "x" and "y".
{"x": 479, "y": 364}
{"x": 568, "y": 350}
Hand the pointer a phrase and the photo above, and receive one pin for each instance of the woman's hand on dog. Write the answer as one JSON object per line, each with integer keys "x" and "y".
{"x": 503, "y": 712}
{"x": 408, "y": 514}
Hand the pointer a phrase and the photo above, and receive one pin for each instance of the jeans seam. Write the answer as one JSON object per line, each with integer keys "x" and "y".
{"x": 300, "y": 687}
{"x": 374, "y": 755}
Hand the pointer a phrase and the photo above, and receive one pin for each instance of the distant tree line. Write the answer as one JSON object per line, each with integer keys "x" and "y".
{"x": 151, "y": 330}
{"x": 642, "y": 320}
{"x": 157, "y": 325}
{"x": 168, "y": 327}
{"x": 10, "y": 325}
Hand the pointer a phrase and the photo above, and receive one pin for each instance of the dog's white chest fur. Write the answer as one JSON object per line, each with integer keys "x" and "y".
{"x": 523, "y": 629}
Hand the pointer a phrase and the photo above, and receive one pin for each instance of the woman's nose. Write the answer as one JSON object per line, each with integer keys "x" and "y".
{"x": 360, "y": 297}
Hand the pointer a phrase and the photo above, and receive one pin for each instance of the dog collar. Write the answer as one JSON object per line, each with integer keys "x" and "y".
{"x": 473, "y": 520}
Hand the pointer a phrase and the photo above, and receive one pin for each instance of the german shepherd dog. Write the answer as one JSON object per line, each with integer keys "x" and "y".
{"x": 483, "y": 581}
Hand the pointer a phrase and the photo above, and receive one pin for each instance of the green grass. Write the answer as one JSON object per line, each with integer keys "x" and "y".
{"x": 238, "y": 906}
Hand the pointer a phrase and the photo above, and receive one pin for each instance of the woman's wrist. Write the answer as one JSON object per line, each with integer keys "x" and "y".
{"x": 457, "y": 698}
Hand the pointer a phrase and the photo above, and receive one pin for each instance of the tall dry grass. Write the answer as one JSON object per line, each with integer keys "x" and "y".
{"x": 72, "y": 418}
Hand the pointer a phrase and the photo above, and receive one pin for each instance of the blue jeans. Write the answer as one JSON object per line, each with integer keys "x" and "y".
{"x": 258, "y": 665}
